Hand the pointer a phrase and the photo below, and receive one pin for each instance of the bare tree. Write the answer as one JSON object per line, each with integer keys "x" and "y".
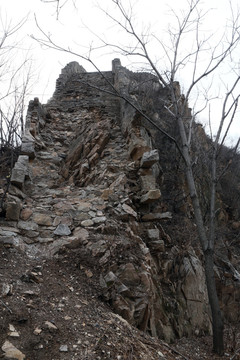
{"x": 59, "y": 5}
{"x": 177, "y": 57}
{"x": 15, "y": 78}
{"x": 190, "y": 21}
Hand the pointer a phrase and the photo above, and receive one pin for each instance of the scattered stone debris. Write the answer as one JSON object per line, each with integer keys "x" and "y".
{"x": 63, "y": 348}
{"x": 11, "y": 352}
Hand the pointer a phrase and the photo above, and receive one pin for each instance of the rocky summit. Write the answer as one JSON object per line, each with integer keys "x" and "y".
{"x": 100, "y": 256}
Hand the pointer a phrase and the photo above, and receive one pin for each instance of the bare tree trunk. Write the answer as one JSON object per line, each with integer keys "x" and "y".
{"x": 207, "y": 245}
{"x": 217, "y": 322}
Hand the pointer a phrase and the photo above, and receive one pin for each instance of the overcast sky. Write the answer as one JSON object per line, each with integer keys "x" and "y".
{"x": 78, "y": 26}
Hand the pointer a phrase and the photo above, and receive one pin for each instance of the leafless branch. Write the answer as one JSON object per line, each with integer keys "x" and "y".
{"x": 59, "y": 5}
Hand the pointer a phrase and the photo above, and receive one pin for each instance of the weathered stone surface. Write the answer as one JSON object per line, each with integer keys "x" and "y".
{"x": 31, "y": 239}
{"x": 26, "y": 214}
{"x": 153, "y": 234}
{"x": 11, "y": 352}
{"x": 103, "y": 139}
{"x": 15, "y": 191}
{"x": 80, "y": 216}
{"x": 150, "y": 196}
{"x": 56, "y": 245}
{"x": 7, "y": 232}
{"x": 63, "y": 206}
{"x": 99, "y": 219}
{"x": 20, "y": 171}
{"x": 27, "y": 147}
{"x": 119, "y": 183}
{"x": 129, "y": 275}
{"x": 13, "y": 208}
{"x": 94, "y": 150}
{"x": 146, "y": 280}
{"x": 23, "y": 163}
{"x": 137, "y": 148}
{"x": 37, "y": 331}
{"x": 129, "y": 210}
{"x": 13, "y": 332}
{"x": 148, "y": 182}
{"x": 105, "y": 258}
{"x": 123, "y": 289}
{"x": 98, "y": 248}
{"x": 106, "y": 193}
{"x": 42, "y": 219}
{"x": 18, "y": 177}
{"x": 123, "y": 308}
{"x": 45, "y": 155}
{"x": 6, "y": 289}
{"x": 73, "y": 242}
{"x": 87, "y": 223}
{"x": 92, "y": 214}
{"x": 81, "y": 234}
{"x": 84, "y": 168}
{"x": 45, "y": 240}
{"x": 8, "y": 240}
{"x": 72, "y": 67}
{"x": 50, "y": 326}
{"x": 66, "y": 220}
{"x": 62, "y": 230}
{"x": 93, "y": 159}
{"x": 27, "y": 225}
{"x": 9, "y": 229}
{"x": 84, "y": 206}
{"x": 63, "y": 348}
{"x": 13, "y": 241}
{"x": 110, "y": 278}
{"x": 157, "y": 245}
{"x": 149, "y": 158}
{"x": 31, "y": 234}
{"x": 75, "y": 151}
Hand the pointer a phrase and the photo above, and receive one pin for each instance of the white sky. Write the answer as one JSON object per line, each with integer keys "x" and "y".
{"x": 70, "y": 31}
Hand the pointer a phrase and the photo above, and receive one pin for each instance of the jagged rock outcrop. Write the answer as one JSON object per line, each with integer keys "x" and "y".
{"x": 90, "y": 176}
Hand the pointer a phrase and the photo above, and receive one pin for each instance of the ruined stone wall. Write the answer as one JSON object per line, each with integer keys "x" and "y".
{"x": 90, "y": 177}
{"x": 82, "y": 90}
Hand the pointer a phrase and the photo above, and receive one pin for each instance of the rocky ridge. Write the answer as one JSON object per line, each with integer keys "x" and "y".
{"x": 88, "y": 182}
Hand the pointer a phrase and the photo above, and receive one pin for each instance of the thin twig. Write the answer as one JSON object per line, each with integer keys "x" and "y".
{"x": 236, "y": 353}
{"x": 175, "y": 351}
{"x": 6, "y": 306}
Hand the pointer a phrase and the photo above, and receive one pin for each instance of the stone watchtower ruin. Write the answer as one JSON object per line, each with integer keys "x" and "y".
{"x": 89, "y": 176}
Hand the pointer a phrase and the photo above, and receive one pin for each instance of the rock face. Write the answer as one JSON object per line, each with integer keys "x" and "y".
{"x": 11, "y": 352}
{"x": 20, "y": 171}
{"x": 94, "y": 181}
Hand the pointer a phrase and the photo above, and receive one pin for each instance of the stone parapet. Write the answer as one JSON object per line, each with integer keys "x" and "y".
{"x": 134, "y": 87}
{"x": 35, "y": 119}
